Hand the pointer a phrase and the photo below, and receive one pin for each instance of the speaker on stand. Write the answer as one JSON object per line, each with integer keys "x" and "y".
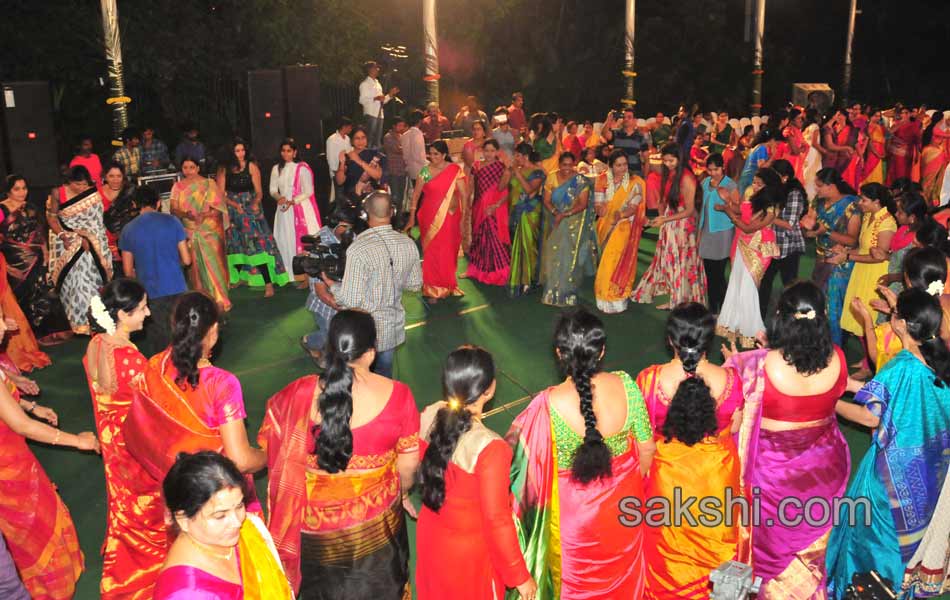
{"x": 268, "y": 119}
{"x": 302, "y": 91}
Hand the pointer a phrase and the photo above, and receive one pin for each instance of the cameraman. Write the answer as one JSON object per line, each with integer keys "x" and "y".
{"x": 380, "y": 264}
{"x": 320, "y": 301}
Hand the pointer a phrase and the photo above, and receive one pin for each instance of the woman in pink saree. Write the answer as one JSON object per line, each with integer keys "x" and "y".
{"x": 490, "y": 253}
{"x": 202, "y": 209}
{"x": 902, "y": 147}
{"x": 441, "y": 186}
{"x": 578, "y": 495}
{"x": 790, "y": 445}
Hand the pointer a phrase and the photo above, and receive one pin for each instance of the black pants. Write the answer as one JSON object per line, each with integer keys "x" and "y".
{"x": 788, "y": 268}
{"x": 716, "y": 282}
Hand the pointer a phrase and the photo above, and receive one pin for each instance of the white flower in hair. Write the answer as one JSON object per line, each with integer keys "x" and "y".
{"x": 935, "y": 288}
{"x": 810, "y": 315}
{"x": 101, "y": 315}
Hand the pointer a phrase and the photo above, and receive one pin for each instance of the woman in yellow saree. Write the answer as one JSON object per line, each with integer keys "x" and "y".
{"x": 203, "y": 210}
{"x": 874, "y": 160}
{"x": 621, "y": 210}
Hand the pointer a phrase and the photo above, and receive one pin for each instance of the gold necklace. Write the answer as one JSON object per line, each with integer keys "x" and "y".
{"x": 210, "y": 553}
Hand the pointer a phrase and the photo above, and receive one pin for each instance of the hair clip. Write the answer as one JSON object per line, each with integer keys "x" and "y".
{"x": 810, "y": 315}
{"x": 935, "y": 288}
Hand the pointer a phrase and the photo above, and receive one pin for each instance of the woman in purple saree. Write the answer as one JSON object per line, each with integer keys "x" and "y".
{"x": 790, "y": 446}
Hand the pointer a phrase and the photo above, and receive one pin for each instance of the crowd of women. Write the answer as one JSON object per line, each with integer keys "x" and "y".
{"x": 537, "y": 510}
{"x": 560, "y": 507}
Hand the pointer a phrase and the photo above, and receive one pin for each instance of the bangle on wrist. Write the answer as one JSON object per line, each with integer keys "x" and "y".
{"x": 59, "y": 432}
{"x": 32, "y": 407}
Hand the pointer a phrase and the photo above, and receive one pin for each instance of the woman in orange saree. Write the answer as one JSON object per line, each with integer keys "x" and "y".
{"x": 21, "y": 344}
{"x": 203, "y": 210}
{"x": 441, "y": 187}
{"x": 934, "y": 159}
{"x": 694, "y": 407}
{"x": 36, "y": 524}
{"x": 874, "y": 159}
{"x": 135, "y": 542}
{"x": 186, "y": 404}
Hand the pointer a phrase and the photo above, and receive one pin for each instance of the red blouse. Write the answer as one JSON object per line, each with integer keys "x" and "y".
{"x": 796, "y": 409}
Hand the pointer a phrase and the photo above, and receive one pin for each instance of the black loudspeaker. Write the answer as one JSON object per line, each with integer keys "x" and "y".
{"x": 265, "y": 91}
{"x": 302, "y": 91}
{"x": 28, "y": 120}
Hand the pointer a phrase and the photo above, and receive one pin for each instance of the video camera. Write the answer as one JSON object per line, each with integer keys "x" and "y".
{"x": 329, "y": 259}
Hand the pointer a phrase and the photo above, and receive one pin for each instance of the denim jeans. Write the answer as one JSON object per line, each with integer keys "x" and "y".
{"x": 374, "y": 131}
{"x": 383, "y": 365}
{"x": 317, "y": 340}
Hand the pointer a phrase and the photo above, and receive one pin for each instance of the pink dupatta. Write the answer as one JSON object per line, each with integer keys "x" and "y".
{"x": 305, "y": 209}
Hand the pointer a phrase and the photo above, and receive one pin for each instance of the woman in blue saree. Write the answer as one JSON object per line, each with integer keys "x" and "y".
{"x": 837, "y": 225}
{"x": 569, "y": 252}
{"x": 907, "y": 405}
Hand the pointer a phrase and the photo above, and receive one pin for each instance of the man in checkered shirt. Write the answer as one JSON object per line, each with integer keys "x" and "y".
{"x": 381, "y": 263}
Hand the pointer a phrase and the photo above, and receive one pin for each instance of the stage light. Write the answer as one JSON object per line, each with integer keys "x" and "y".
{"x": 31, "y": 135}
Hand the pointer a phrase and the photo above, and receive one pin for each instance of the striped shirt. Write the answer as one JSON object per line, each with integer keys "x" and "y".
{"x": 380, "y": 264}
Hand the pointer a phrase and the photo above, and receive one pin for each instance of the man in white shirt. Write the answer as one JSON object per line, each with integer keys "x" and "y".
{"x": 336, "y": 143}
{"x": 372, "y": 99}
{"x": 414, "y": 148}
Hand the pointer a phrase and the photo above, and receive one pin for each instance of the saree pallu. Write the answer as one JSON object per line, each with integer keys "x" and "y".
{"x": 165, "y": 420}
{"x": 679, "y": 559}
{"x": 620, "y": 244}
{"x": 901, "y": 475}
{"x": 846, "y": 136}
{"x": 574, "y": 544}
{"x": 812, "y": 462}
{"x": 251, "y": 247}
{"x": 569, "y": 251}
{"x": 490, "y": 252}
{"x": 874, "y": 163}
{"x": 136, "y": 540}
{"x": 525, "y": 230}
{"x": 933, "y": 164}
{"x": 441, "y": 234}
{"x": 36, "y": 524}
{"x": 78, "y": 273}
{"x": 19, "y": 344}
{"x": 864, "y": 276}
{"x": 204, "y": 213}
{"x": 262, "y": 577}
{"x": 796, "y": 142}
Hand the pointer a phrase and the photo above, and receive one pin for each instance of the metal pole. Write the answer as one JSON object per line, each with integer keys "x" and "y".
{"x": 431, "y": 49}
{"x": 757, "y": 58}
{"x": 112, "y": 44}
{"x": 846, "y": 79}
{"x": 628, "y": 66}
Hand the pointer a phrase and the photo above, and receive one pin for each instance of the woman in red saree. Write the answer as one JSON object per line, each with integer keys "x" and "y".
{"x": 441, "y": 186}
{"x": 797, "y": 146}
{"x": 36, "y": 524}
{"x": 21, "y": 344}
{"x": 902, "y": 147}
{"x": 135, "y": 542}
{"x": 574, "y": 468}
{"x": 342, "y": 453}
{"x": 203, "y": 210}
{"x": 186, "y": 404}
{"x": 465, "y": 519}
{"x": 694, "y": 407}
{"x": 490, "y": 253}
